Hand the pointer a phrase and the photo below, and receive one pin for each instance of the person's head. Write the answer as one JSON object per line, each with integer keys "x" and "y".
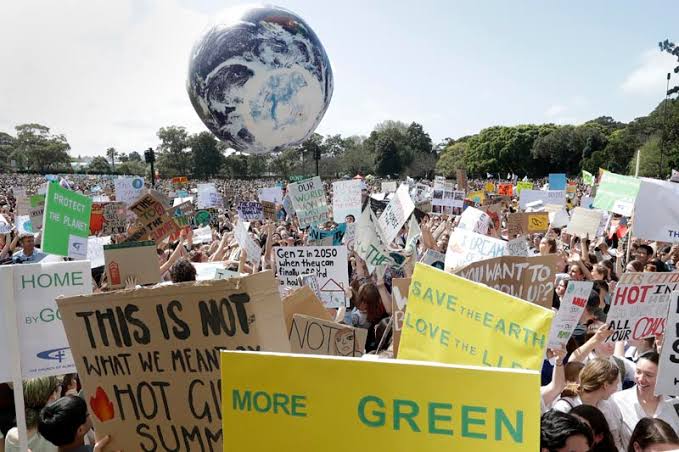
{"x": 600, "y": 272}
{"x": 600, "y": 377}
{"x": 182, "y": 271}
{"x": 572, "y": 371}
{"x": 643, "y": 253}
{"x": 65, "y": 422}
{"x": 601, "y": 288}
{"x": 547, "y": 246}
{"x": 349, "y": 219}
{"x": 561, "y": 286}
{"x": 575, "y": 272}
{"x": 369, "y": 302}
{"x": 594, "y": 418}
{"x": 561, "y": 432}
{"x": 646, "y": 372}
{"x": 27, "y": 242}
{"x": 653, "y": 435}
{"x": 38, "y": 392}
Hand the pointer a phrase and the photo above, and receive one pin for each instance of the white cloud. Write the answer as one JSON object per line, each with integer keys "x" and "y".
{"x": 649, "y": 77}
{"x": 102, "y": 73}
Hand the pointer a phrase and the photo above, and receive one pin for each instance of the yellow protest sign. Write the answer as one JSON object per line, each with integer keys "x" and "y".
{"x": 538, "y": 222}
{"x": 477, "y": 196}
{"x": 452, "y": 320}
{"x": 286, "y": 402}
{"x": 523, "y": 185}
{"x": 489, "y": 187}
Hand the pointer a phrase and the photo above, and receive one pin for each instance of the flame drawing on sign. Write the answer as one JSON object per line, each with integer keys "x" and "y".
{"x": 101, "y": 406}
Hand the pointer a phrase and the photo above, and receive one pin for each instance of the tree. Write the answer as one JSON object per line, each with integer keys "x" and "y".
{"x": 284, "y": 162}
{"x": 207, "y": 159}
{"x": 38, "y": 150}
{"x": 649, "y": 159}
{"x": 173, "y": 157}
{"x": 134, "y": 156}
{"x": 452, "y": 159}
{"x": 672, "y": 49}
{"x": 387, "y": 160}
{"x": 99, "y": 165}
{"x": 132, "y": 167}
{"x": 7, "y": 143}
{"x": 417, "y": 139}
{"x": 357, "y": 158}
{"x": 111, "y": 153}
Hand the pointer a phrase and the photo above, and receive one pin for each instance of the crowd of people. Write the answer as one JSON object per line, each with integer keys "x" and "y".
{"x": 596, "y": 395}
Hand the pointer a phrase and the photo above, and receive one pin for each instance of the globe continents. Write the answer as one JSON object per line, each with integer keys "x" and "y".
{"x": 261, "y": 80}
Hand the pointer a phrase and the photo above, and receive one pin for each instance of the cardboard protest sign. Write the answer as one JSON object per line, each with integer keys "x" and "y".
{"x": 461, "y": 178}
{"x": 668, "y": 367}
{"x": 269, "y": 210}
{"x": 474, "y": 220}
{"x": 617, "y": 193}
{"x": 311, "y": 281}
{"x": 250, "y": 211}
{"x": 271, "y": 194}
{"x": 527, "y": 223}
{"x": 96, "y": 218}
{"x": 518, "y": 247}
{"x": 388, "y": 186}
{"x": 346, "y": 199}
{"x": 528, "y": 278}
{"x": 128, "y": 189}
{"x": 183, "y": 214}
{"x": 397, "y": 407}
{"x": 452, "y": 320}
{"x": 253, "y": 251}
{"x": 308, "y": 200}
{"x": 152, "y": 220}
{"x": 395, "y": 214}
{"x": 95, "y": 250}
{"x": 639, "y": 305}
{"x": 303, "y": 301}
{"x": 465, "y": 247}
{"x": 434, "y": 258}
{"x": 569, "y": 313}
{"x": 66, "y": 223}
{"x": 328, "y": 263}
{"x": 131, "y": 259}
{"x": 557, "y": 181}
{"x": 32, "y": 290}
{"x": 399, "y": 299}
{"x": 505, "y": 189}
{"x": 208, "y": 196}
{"x": 311, "y": 336}
{"x": 585, "y": 221}
{"x": 148, "y": 359}
{"x": 652, "y": 222}
{"x": 115, "y": 218}
{"x": 555, "y": 197}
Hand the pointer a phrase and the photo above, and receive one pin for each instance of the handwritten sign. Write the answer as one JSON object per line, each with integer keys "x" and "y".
{"x": 392, "y": 409}
{"x": 250, "y": 211}
{"x": 308, "y": 200}
{"x": 254, "y": 252}
{"x": 474, "y": 220}
{"x": 452, "y": 320}
{"x": 128, "y": 189}
{"x": 465, "y": 247}
{"x": 271, "y": 194}
{"x": 523, "y": 185}
{"x": 346, "y": 199}
{"x": 208, "y": 196}
{"x": 570, "y": 311}
{"x": 148, "y": 359}
{"x": 584, "y": 222}
{"x": 395, "y": 214}
{"x": 328, "y": 263}
{"x": 311, "y": 336}
{"x": 639, "y": 305}
{"x": 528, "y": 278}
{"x": 505, "y": 189}
{"x": 115, "y": 218}
{"x": 152, "y": 220}
{"x": 668, "y": 367}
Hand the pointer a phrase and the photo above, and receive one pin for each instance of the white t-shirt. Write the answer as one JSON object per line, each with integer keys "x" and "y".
{"x": 36, "y": 442}
{"x": 632, "y": 412}
{"x": 610, "y": 411}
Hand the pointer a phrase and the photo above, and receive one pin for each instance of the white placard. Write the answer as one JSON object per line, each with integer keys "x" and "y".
{"x": 128, "y": 189}
{"x": 474, "y": 220}
{"x": 656, "y": 211}
{"x": 5, "y": 227}
{"x": 328, "y": 263}
{"x": 346, "y": 200}
{"x": 202, "y": 235}
{"x": 388, "y": 187}
{"x": 95, "y": 250}
{"x": 395, "y": 214}
{"x": 585, "y": 221}
{"x": 254, "y": 252}
{"x": 668, "y": 367}
{"x": 208, "y": 196}
{"x": 556, "y": 197}
{"x": 23, "y": 224}
{"x": 518, "y": 247}
{"x": 570, "y": 311}
{"x": 465, "y": 247}
{"x": 208, "y": 270}
{"x": 271, "y": 194}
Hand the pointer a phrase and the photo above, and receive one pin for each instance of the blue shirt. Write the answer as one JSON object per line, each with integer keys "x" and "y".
{"x": 36, "y": 256}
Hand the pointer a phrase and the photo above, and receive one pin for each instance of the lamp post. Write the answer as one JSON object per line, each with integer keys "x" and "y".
{"x": 150, "y": 157}
{"x": 664, "y": 128}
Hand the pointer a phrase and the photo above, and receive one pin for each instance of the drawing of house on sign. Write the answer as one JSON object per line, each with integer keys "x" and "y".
{"x": 332, "y": 294}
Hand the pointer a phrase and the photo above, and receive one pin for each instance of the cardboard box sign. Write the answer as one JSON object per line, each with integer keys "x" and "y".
{"x": 138, "y": 259}
{"x": 277, "y": 402}
{"x": 303, "y": 301}
{"x": 148, "y": 358}
{"x": 311, "y": 336}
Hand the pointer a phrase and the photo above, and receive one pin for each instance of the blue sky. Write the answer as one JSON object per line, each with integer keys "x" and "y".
{"x": 111, "y": 73}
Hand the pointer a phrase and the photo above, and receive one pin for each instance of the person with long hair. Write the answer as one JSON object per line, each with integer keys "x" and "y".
{"x": 640, "y": 401}
{"x": 653, "y": 435}
{"x": 598, "y": 381}
{"x": 561, "y": 431}
{"x": 602, "y": 437}
{"x": 38, "y": 392}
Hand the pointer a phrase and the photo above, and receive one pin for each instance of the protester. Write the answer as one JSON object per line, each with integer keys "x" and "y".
{"x": 653, "y": 435}
{"x": 602, "y": 437}
{"x": 38, "y": 392}
{"x": 564, "y": 432}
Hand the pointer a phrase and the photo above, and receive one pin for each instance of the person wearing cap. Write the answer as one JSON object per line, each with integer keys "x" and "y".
{"x": 28, "y": 254}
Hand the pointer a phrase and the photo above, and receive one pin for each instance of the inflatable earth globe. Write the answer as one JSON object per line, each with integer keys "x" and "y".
{"x": 260, "y": 80}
